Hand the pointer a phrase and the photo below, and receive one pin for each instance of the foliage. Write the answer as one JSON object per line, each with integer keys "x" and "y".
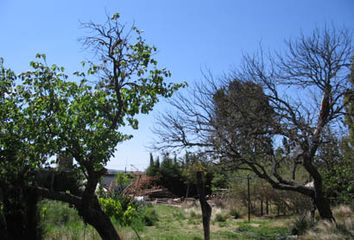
{"x": 339, "y": 182}
{"x": 112, "y": 207}
{"x": 122, "y": 180}
{"x": 153, "y": 167}
{"x": 129, "y": 213}
{"x": 240, "y": 122}
{"x": 219, "y": 181}
{"x": 336, "y": 163}
{"x": 179, "y": 175}
{"x": 44, "y": 113}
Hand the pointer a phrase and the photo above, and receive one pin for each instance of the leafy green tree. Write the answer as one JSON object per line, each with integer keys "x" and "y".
{"x": 24, "y": 146}
{"x": 46, "y": 114}
{"x": 170, "y": 175}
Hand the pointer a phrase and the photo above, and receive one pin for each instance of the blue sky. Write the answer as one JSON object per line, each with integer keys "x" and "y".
{"x": 190, "y": 35}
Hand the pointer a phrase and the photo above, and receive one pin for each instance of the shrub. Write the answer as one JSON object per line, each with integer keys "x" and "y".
{"x": 130, "y": 216}
{"x": 111, "y": 207}
{"x": 150, "y": 216}
{"x": 219, "y": 217}
{"x": 235, "y": 213}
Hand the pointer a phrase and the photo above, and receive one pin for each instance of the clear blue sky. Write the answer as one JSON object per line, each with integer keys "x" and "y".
{"x": 190, "y": 35}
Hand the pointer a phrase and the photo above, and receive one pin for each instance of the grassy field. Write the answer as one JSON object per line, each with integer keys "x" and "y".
{"x": 60, "y": 222}
{"x": 175, "y": 223}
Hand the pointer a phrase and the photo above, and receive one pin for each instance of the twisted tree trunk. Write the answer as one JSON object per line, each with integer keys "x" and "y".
{"x": 95, "y": 216}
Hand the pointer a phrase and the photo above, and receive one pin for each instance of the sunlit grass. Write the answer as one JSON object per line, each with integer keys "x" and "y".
{"x": 59, "y": 221}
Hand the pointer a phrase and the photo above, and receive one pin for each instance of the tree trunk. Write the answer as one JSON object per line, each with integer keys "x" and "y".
{"x": 278, "y": 210}
{"x": 87, "y": 205}
{"x": 187, "y": 191}
{"x": 321, "y": 202}
{"x": 3, "y": 227}
{"x": 92, "y": 212}
{"x": 324, "y": 209}
{"x": 95, "y": 216}
{"x": 20, "y": 216}
{"x": 206, "y": 209}
{"x": 32, "y": 216}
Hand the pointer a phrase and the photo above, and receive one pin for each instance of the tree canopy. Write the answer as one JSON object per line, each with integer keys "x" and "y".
{"x": 45, "y": 114}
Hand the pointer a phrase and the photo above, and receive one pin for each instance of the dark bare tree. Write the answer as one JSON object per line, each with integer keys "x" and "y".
{"x": 273, "y": 101}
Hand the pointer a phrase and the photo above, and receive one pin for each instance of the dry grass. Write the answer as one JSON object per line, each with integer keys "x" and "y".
{"x": 341, "y": 230}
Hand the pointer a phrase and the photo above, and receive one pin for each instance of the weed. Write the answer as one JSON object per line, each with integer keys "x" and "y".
{"x": 301, "y": 225}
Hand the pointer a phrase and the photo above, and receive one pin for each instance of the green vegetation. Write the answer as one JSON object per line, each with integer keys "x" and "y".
{"x": 178, "y": 175}
{"x": 46, "y": 113}
{"x": 59, "y": 221}
{"x": 249, "y": 142}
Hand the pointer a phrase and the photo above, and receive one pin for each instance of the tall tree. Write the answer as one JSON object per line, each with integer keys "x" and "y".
{"x": 300, "y": 93}
{"x": 46, "y": 114}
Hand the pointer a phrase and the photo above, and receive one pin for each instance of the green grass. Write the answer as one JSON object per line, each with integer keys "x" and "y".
{"x": 172, "y": 226}
{"x": 59, "y": 221}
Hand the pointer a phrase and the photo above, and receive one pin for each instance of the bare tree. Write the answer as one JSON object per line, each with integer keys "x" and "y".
{"x": 290, "y": 99}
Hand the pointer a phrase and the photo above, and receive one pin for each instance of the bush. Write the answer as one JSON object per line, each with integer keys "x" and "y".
{"x": 150, "y": 216}
{"x": 112, "y": 207}
{"x": 219, "y": 217}
{"x": 131, "y": 216}
{"x": 235, "y": 213}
